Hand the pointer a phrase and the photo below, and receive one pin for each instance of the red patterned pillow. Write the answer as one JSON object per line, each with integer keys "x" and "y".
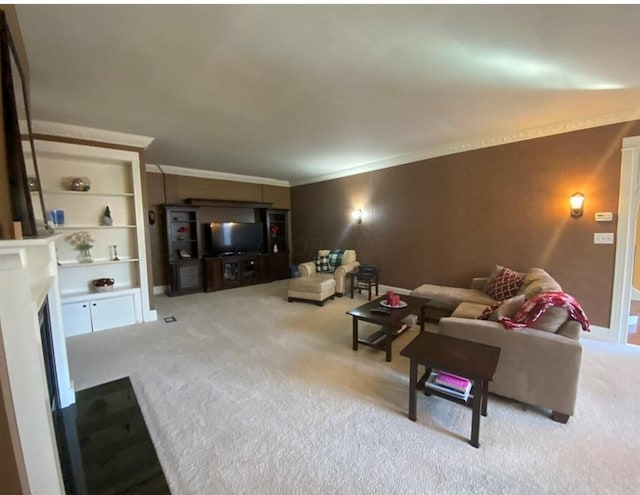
{"x": 506, "y": 284}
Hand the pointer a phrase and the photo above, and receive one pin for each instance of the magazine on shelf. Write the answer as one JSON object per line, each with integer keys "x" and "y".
{"x": 453, "y": 381}
{"x": 459, "y": 394}
{"x": 400, "y": 329}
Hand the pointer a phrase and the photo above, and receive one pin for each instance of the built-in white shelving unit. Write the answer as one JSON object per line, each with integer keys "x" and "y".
{"x": 116, "y": 183}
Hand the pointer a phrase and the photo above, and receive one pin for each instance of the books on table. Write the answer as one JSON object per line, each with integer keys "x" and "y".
{"x": 449, "y": 383}
{"x": 453, "y": 381}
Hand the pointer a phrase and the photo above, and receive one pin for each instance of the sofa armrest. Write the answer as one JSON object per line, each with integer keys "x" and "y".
{"x": 340, "y": 274}
{"x": 535, "y": 367}
{"x": 570, "y": 329}
{"x": 342, "y": 270}
{"x": 478, "y": 283}
{"x": 307, "y": 269}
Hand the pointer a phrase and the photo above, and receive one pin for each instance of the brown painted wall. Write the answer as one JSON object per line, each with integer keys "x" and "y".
{"x": 447, "y": 219}
{"x": 176, "y": 188}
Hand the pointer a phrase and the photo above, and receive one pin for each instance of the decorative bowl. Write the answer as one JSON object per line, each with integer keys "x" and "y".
{"x": 103, "y": 284}
{"x": 80, "y": 184}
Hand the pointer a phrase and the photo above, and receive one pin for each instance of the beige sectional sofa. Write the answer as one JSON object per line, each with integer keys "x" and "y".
{"x": 538, "y": 365}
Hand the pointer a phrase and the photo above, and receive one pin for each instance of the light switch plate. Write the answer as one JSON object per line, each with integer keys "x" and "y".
{"x": 600, "y": 238}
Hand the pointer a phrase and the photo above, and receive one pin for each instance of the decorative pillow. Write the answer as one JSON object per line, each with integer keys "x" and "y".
{"x": 492, "y": 277}
{"x": 489, "y": 311}
{"x": 322, "y": 264}
{"x": 508, "y": 309}
{"x": 506, "y": 284}
{"x": 335, "y": 258}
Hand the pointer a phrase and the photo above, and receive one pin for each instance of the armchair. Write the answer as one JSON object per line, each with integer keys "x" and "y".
{"x": 349, "y": 263}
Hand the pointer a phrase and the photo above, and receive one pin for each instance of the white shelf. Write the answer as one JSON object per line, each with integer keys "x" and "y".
{"x": 92, "y": 227}
{"x": 79, "y": 296}
{"x": 77, "y": 264}
{"x": 116, "y": 175}
{"x": 89, "y": 193}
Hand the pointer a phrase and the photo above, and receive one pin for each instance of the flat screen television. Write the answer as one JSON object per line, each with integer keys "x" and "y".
{"x": 236, "y": 237}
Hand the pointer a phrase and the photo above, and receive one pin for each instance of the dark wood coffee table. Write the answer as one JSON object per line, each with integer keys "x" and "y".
{"x": 471, "y": 360}
{"x": 382, "y": 339}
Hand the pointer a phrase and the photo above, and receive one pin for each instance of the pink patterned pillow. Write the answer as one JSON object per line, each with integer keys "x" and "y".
{"x": 506, "y": 284}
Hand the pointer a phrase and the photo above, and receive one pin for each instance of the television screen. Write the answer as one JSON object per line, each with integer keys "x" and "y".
{"x": 234, "y": 237}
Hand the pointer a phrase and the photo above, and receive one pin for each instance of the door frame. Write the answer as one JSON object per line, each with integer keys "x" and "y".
{"x": 628, "y": 203}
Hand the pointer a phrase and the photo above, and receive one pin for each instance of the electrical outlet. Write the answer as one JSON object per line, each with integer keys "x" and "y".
{"x": 602, "y": 238}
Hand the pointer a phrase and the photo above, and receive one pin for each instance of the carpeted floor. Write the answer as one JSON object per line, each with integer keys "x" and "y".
{"x": 247, "y": 393}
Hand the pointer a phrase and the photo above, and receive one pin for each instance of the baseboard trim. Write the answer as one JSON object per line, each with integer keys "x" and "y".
{"x": 602, "y": 334}
{"x": 382, "y": 289}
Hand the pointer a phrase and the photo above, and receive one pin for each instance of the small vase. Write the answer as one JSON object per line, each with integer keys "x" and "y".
{"x": 85, "y": 256}
{"x": 275, "y": 248}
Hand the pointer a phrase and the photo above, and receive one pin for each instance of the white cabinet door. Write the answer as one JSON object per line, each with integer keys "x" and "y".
{"x": 76, "y": 318}
{"x": 113, "y": 312}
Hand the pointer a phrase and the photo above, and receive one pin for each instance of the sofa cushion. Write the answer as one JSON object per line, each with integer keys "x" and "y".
{"x": 536, "y": 281}
{"x": 349, "y": 256}
{"x": 469, "y": 310}
{"x": 508, "y": 308}
{"x": 448, "y": 298}
{"x": 488, "y": 311}
{"x": 506, "y": 284}
{"x": 322, "y": 265}
{"x": 551, "y": 320}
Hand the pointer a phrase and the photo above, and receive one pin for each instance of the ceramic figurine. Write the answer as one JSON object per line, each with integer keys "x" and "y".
{"x": 106, "y": 219}
{"x": 115, "y": 253}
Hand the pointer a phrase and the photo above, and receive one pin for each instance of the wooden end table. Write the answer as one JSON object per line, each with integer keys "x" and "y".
{"x": 471, "y": 360}
{"x": 365, "y": 277}
{"x": 382, "y": 339}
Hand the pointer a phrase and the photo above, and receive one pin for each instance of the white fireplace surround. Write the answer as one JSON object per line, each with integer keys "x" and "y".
{"x": 28, "y": 275}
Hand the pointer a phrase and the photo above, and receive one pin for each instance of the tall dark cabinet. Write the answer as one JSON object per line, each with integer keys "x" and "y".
{"x": 277, "y": 223}
{"x": 184, "y": 250}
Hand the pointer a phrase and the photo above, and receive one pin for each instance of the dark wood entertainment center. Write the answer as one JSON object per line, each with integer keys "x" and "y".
{"x": 191, "y": 268}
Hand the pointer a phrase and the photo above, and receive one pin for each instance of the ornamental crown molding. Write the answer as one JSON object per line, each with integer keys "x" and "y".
{"x": 90, "y": 134}
{"x": 486, "y": 142}
{"x": 209, "y": 174}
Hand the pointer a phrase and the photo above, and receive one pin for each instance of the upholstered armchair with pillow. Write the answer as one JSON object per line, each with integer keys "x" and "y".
{"x": 331, "y": 264}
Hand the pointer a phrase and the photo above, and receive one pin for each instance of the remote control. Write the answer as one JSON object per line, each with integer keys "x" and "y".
{"x": 384, "y": 311}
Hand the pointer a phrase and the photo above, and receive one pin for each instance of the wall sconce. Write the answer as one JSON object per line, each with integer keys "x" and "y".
{"x": 577, "y": 204}
{"x": 357, "y": 215}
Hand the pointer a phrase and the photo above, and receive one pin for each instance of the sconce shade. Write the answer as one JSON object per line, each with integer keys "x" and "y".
{"x": 577, "y": 204}
{"x": 357, "y": 216}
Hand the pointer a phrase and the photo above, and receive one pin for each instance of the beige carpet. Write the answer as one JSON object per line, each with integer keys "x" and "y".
{"x": 247, "y": 393}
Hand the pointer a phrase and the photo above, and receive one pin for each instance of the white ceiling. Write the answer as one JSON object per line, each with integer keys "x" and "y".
{"x": 301, "y": 92}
